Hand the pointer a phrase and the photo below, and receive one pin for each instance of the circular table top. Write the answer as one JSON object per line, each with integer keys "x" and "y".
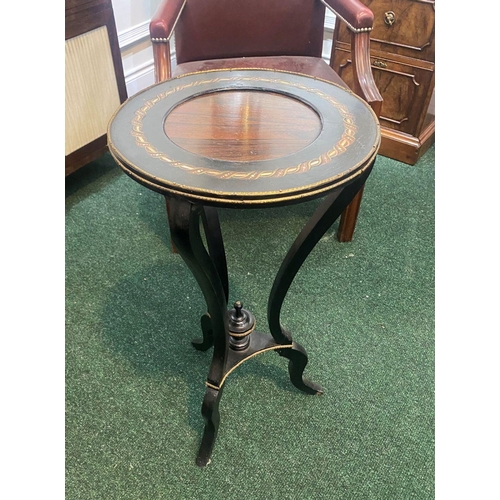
{"x": 244, "y": 137}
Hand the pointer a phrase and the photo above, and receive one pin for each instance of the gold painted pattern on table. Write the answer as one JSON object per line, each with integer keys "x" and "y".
{"x": 347, "y": 138}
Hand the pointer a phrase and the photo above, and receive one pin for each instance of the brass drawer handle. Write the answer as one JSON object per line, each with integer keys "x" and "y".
{"x": 379, "y": 64}
{"x": 389, "y": 18}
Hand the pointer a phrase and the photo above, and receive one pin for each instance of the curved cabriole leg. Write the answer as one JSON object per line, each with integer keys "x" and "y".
{"x": 207, "y": 341}
{"x": 298, "y": 361}
{"x": 216, "y": 250}
{"x": 185, "y": 229}
{"x": 213, "y": 235}
{"x": 324, "y": 216}
{"x": 210, "y": 412}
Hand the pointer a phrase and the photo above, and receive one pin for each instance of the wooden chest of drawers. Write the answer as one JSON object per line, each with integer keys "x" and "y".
{"x": 402, "y": 59}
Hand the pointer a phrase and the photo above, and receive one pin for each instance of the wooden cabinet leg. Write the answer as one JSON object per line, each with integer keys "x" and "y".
{"x": 349, "y": 217}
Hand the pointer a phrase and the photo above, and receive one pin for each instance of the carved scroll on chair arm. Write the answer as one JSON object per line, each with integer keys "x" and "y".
{"x": 161, "y": 29}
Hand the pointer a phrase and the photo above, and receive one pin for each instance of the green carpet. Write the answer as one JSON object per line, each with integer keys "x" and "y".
{"x": 364, "y": 311}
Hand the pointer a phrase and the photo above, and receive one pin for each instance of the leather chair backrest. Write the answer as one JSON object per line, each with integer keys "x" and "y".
{"x": 213, "y": 29}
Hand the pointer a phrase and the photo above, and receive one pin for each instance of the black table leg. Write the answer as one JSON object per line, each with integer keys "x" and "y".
{"x": 207, "y": 341}
{"x": 210, "y": 413}
{"x": 323, "y": 218}
{"x": 215, "y": 244}
{"x": 185, "y": 230}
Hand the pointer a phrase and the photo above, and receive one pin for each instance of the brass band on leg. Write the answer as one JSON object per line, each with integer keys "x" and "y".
{"x": 241, "y": 335}
{"x": 273, "y": 348}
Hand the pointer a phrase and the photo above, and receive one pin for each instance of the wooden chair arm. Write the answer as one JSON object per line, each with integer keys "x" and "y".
{"x": 359, "y": 20}
{"x": 364, "y": 84}
{"x": 161, "y": 29}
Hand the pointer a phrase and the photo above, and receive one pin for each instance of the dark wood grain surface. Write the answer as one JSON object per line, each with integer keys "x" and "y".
{"x": 243, "y": 125}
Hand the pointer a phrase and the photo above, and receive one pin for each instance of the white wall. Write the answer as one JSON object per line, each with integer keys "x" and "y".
{"x": 132, "y": 23}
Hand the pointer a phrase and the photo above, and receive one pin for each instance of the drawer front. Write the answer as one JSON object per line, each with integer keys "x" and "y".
{"x": 405, "y": 90}
{"x": 404, "y": 27}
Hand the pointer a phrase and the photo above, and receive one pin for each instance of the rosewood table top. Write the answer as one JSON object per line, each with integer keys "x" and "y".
{"x": 244, "y": 137}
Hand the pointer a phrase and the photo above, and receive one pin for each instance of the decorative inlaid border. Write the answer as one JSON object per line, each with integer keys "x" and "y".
{"x": 347, "y": 138}
{"x": 268, "y": 197}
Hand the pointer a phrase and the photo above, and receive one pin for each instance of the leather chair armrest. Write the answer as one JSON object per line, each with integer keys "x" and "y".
{"x": 357, "y": 16}
{"x": 161, "y": 28}
{"x": 164, "y": 20}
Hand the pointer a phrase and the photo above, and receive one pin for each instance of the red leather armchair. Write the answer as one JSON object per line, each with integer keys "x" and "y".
{"x": 280, "y": 34}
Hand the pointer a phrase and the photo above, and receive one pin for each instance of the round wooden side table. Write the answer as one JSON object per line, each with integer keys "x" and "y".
{"x": 243, "y": 139}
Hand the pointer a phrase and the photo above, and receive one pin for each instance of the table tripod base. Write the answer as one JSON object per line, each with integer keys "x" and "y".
{"x": 228, "y": 331}
{"x": 259, "y": 343}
